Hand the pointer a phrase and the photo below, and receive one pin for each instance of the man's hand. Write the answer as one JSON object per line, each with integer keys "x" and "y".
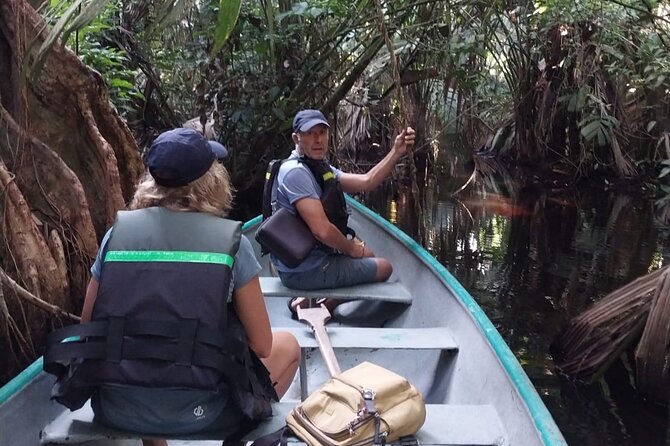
{"x": 353, "y": 182}
{"x": 404, "y": 141}
{"x": 360, "y": 249}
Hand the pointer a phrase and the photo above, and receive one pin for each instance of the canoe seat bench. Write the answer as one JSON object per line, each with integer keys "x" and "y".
{"x": 380, "y": 291}
{"x": 432, "y": 338}
{"x": 424, "y": 338}
{"x": 446, "y": 424}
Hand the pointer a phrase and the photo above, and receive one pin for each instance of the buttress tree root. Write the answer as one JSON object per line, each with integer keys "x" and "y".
{"x": 67, "y": 163}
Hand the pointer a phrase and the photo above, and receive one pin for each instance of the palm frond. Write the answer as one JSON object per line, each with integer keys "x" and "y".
{"x": 229, "y": 11}
{"x": 599, "y": 335}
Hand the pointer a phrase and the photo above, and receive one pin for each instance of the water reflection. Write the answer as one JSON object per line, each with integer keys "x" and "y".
{"x": 534, "y": 259}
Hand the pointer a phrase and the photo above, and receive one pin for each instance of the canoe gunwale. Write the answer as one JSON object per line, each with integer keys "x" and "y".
{"x": 21, "y": 380}
{"x": 539, "y": 413}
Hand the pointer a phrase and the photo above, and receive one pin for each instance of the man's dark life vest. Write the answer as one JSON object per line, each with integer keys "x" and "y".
{"x": 161, "y": 317}
{"x": 332, "y": 197}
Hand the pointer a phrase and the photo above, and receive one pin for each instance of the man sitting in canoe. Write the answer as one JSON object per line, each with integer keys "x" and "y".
{"x": 175, "y": 291}
{"x": 337, "y": 260}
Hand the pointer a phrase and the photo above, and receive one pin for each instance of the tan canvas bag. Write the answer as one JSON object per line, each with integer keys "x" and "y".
{"x": 348, "y": 409}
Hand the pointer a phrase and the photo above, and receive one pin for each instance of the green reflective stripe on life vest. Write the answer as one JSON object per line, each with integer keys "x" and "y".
{"x": 169, "y": 256}
{"x": 328, "y": 176}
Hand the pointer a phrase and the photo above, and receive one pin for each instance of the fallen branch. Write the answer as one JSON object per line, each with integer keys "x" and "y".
{"x": 31, "y": 298}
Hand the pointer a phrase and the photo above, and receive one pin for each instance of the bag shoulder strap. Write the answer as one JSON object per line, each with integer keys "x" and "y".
{"x": 268, "y": 187}
{"x": 270, "y": 192}
{"x": 270, "y": 178}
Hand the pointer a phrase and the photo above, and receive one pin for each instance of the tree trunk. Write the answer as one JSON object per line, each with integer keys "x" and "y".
{"x": 67, "y": 164}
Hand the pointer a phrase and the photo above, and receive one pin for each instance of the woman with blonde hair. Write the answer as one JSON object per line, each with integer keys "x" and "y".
{"x": 187, "y": 341}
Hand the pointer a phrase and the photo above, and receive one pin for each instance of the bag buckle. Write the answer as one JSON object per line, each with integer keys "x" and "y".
{"x": 369, "y": 401}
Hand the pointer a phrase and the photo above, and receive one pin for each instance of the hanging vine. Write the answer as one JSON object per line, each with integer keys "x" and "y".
{"x": 401, "y": 115}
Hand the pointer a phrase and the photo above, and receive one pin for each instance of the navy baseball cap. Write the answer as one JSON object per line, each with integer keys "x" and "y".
{"x": 306, "y": 119}
{"x": 220, "y": 151}
{"x": 182, "y": 155}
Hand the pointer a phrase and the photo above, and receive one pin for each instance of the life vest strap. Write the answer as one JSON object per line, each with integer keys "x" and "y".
{"x": 118, "y": 338}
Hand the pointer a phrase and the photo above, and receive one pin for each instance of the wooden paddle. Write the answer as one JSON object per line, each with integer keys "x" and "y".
{"x": 317, "y": 317}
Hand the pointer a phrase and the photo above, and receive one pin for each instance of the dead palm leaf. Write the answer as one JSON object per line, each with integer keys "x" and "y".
{"x": 598, "y": 336}
{"x": 651, "y": 353}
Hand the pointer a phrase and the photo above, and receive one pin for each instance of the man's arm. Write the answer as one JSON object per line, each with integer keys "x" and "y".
{"x": 352, "y": 182}
{"x": 312, "y": 212}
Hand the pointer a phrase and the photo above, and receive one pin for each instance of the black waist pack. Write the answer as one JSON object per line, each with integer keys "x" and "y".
{"x": 287, "y": 237}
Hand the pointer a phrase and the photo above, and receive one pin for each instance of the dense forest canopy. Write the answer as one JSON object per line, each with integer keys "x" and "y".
{"x": 578, "y": 90}
{"x": 575, "y": 88}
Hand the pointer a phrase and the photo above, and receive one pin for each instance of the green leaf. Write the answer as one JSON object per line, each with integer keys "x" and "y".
{"x": 166, "y": 13}
{"x": 300, "y": 8}
{"x": 659, "y": 81}
{"x": 651, "y": 125}
{"x": 229, "y": 11}
{"x": 121, "y": 83}
{"x": 577, "y": 101}
{"x": 86, "y": 16}
{"x": 664, "y": 172}
{"x": 262, "y": 47}
{"x": 279, "y": 113}
{"x": 273, "y": 93}
{"x": 56, "y": 32}
{"x": 590, "y": 130}
{"x": 612, "y": 52}
{"x": 604, "y": 137}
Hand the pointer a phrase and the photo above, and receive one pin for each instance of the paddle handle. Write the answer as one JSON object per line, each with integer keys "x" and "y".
{"x": 317, "y": 318}
{"x": 326, "y": 348}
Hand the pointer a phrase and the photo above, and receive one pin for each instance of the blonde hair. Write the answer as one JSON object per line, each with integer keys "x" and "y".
{"x": 211, "y": 193}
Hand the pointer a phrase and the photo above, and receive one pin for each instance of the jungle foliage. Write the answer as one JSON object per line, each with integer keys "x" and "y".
{"x": 577, "y": 88}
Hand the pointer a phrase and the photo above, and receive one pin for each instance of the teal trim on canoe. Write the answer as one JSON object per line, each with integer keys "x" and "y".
{"x": 251, "y": 223}
{"x": 21, "y": 380}
{"x": 170, "y": 256}
{"x": 544, "y": 422}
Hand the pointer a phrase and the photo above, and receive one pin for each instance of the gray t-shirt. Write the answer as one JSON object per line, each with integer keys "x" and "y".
{"x": 295, "y": 182}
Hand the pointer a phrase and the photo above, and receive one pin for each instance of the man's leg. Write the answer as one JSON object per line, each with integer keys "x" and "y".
{"x": 384, "y": 269}
{"x": 335, "y": 272}
{"x": 339, "y": 271}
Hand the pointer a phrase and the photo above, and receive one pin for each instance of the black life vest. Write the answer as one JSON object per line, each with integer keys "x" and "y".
{"x": 162, "y": 317}
{"x": 332, "y": 197}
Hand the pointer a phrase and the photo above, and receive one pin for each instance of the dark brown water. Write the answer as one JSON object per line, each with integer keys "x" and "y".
{"x": 533, "y": 259}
